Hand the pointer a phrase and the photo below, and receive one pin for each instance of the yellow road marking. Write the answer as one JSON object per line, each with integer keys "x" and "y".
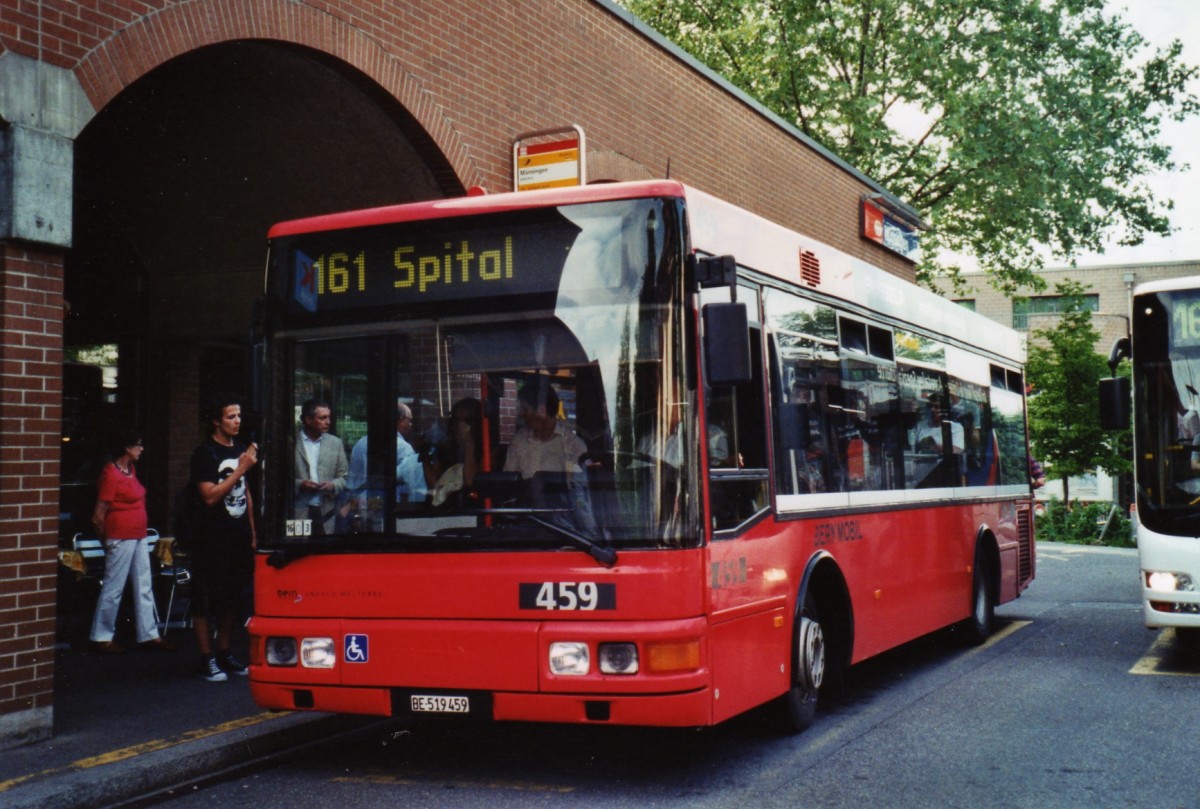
{"x": 1006, "y": 631}
{"x": 1165, "y": 659}
{"x": 142, "y": 748}
{"x": 997, "y": 637}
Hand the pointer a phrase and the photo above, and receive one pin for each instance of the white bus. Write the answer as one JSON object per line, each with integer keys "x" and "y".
{"x": 1164, "y": 344}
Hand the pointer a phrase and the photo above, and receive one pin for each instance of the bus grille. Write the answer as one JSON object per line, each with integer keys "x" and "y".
{"x": 810, "y": 268}
{"x": 1024, "y": 545}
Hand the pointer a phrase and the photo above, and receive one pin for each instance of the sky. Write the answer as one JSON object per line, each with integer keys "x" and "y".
{"x": 1160, "y": 22}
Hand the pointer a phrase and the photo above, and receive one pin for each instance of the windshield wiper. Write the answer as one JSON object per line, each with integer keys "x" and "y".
{"x": 605, "y": 556}
{"x": 280, "y": 558}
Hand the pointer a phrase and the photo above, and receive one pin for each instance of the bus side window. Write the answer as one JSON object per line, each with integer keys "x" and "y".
{"x": 737, "y": 446}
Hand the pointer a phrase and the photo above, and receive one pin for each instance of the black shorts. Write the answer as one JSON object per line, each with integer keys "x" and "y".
{"x": 221, "y": 571}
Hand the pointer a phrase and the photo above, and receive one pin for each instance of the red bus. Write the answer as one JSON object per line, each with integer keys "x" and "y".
{"x": 657, "y": 461}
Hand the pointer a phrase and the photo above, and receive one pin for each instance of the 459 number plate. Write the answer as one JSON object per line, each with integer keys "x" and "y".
{"x": 567, "y": 595}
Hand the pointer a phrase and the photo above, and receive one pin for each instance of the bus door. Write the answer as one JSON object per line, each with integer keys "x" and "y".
{"x": 750, "y": 638}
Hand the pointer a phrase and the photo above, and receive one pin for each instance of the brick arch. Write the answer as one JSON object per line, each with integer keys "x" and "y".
{"x": 132, "y": 52}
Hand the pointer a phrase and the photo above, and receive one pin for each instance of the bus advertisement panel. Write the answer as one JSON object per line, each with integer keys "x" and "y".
{"x": 613, "y": 458}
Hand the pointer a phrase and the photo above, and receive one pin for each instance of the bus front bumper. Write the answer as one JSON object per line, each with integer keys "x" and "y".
{"x": 663, "y": 710}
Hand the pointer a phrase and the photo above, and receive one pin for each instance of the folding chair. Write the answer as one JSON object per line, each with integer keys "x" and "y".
{"x": 176, "y": 576}
{"x": 91, "y": 550}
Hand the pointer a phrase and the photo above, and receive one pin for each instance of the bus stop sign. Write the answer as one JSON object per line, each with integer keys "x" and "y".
{"x": 558, "y": 163}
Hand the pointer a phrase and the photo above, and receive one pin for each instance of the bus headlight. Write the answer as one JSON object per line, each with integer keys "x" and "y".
{"x": 281, "y": 651}
{"x": 1166, "y": 582}
{"x": 317, "y": 653}
{"x": 618, "y": 658}
{"x": 569, "y": 657}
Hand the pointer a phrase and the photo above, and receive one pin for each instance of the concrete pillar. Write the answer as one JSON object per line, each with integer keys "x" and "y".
{"x": 42, "y": 109}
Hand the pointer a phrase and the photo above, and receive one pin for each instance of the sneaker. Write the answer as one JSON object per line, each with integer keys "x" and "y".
{"x": 231, "y": 665}
{"x": 210, "y": 671}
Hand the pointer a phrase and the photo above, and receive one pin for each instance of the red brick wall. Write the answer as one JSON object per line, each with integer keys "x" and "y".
{"x": 473, "y": 73}
{"x": 477, "y": 72}
{"x": 31, "y": 301}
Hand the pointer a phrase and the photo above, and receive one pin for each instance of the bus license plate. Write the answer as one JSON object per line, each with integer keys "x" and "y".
{"x": 439, "y": 704}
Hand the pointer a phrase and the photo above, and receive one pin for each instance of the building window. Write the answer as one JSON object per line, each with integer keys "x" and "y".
{"x": 1047, "y": 305}
{"x": 967, "y": 303}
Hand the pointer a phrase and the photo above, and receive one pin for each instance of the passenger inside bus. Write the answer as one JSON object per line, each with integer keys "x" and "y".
{"x": 455, "y": 460}
{"x": 545, "y": 443}
{"x": 546, "y": 452}
{"x": 411, "y": 484}
{"x": 668, "y": 448}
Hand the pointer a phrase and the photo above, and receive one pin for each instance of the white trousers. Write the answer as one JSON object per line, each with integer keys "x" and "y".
{"x": 125, "y": 560}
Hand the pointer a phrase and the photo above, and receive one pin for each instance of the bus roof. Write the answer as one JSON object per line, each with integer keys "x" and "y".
{"x": 477, "y": 204}
{"x": 774, "y": 250}
{"x": 1168, "y": 285}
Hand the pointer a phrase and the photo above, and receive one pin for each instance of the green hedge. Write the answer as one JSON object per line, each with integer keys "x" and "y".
{"x": 1082, "y": 523}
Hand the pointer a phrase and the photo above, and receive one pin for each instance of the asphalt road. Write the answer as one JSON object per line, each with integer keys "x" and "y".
{"x": 1072, "y": 704}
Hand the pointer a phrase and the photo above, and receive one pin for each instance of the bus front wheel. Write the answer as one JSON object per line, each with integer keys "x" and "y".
{"x": 798, "y": 707}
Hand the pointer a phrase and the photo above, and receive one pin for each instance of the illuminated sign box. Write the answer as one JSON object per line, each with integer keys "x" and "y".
{"x": 884, "y": 229}
{"x": 426, "y": 262}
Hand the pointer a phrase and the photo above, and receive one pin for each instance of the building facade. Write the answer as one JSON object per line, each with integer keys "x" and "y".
{"x": 1108, "y": 288}
{"x": 146, "y": 148}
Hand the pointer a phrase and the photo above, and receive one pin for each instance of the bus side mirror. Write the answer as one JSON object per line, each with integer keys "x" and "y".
{"x": 1114, "y": 403}
{"x": 727, "y": 343}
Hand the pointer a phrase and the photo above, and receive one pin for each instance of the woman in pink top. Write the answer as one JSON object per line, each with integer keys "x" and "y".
{"x": 120, "y": 520}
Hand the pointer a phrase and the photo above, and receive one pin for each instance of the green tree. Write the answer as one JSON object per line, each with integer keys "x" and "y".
{"x": 1064, "y": 419}
{"x": 1038, "y": 120}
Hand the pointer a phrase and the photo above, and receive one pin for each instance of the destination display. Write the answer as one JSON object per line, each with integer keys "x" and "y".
{"x": 411, "y": 263}
{"x": 1185, "y": 319}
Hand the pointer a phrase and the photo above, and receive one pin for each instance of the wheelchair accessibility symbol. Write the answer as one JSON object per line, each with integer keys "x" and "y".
{"x": 355, "y": 650}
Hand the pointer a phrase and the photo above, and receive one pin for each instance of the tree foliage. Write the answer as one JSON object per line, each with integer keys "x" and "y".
{"x": 1064, "y": 412}
{"x": 1011, "y": 125}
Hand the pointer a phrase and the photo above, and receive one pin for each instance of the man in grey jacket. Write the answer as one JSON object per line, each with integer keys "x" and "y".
{"x": 321, "y": 468}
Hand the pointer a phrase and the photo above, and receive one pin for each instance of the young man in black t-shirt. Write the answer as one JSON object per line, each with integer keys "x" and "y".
{"x": 222, "y": 559}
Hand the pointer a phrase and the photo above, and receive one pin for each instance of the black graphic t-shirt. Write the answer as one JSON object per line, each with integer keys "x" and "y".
{"x": 229, "y": 518}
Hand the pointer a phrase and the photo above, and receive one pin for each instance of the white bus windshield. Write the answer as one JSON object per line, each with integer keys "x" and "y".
{"x": 1167, "y": 408}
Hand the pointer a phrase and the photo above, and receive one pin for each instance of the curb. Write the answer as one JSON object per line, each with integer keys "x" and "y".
{"x": 137, "y": 773}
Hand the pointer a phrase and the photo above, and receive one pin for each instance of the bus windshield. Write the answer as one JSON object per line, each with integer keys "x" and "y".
{"x": 1167, "y": 369}
{"x": 554, "y": 414}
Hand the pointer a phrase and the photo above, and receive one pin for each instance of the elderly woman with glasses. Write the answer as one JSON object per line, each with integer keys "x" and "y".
{"x": 120, "y": 520}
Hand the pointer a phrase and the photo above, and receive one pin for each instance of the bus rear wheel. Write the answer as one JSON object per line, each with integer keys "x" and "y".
{"x": 798, "y": 707}
{"x": 978, "y": 628}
